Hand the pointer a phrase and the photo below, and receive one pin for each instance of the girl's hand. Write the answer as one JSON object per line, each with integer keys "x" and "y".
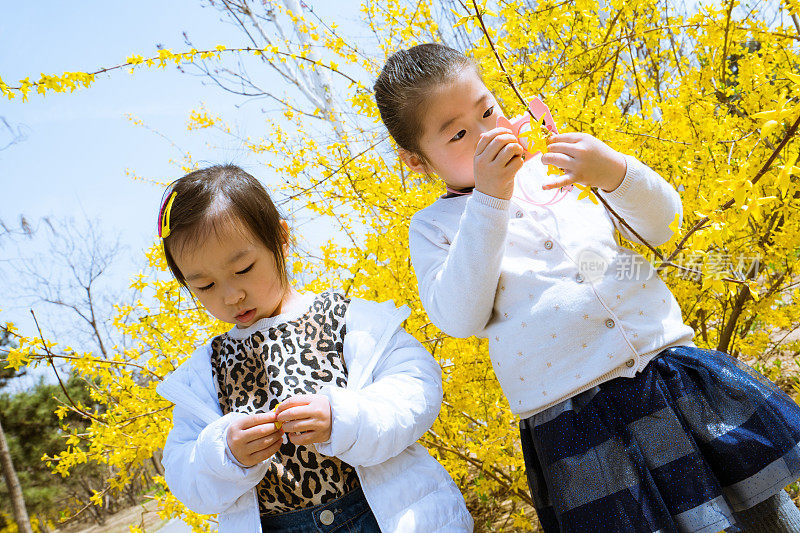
{"x": 254, "y": 438}
{"x": 498, "y": 157}
{"x": 584, "y": 159}
{"x": 306, "y": 418}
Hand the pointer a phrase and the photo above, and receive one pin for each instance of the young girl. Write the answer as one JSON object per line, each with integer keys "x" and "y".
{"x": 304, "y": 416}
{"x": 626, "y": 426}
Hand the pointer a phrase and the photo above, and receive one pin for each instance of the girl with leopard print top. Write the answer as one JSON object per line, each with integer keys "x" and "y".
{"x": 305, "y": 415}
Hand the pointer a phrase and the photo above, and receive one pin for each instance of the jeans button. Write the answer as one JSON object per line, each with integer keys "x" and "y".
{"x": 519, "y": 214}
{"x": 609, "y": 323}
{"x": 579, "y": 277}
{"x": 548, "y": 244}
{"x": 629, "y": 363}
{"x": 326, "y": 517}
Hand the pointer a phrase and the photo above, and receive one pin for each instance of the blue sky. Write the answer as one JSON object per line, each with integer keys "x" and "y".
{"x": 80, "y": 146}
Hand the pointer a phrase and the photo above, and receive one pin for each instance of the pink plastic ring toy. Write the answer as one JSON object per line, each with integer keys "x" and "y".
{"x": 542, "y": 114}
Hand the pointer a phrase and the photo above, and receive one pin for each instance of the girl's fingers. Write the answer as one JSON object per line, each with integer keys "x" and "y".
{"x": 515, "y": 163}
{"x": 494, "y": 149}
{"x": 558, "y": 160}
{"x": 253, "y": 420}
{"x": 258, "y": 432}
{"x": 569, "y": 149}
{"x": 263, "y": 455}
{"x": 569, "y": 137}
{"x": 483, "y": 141}
{"x": 509, "y": 152}
{"x": 294, "y": 413}
{"x": 266, "y": 442}
{"x": 294, "y": 401}
{"x": 296, "y": 426}
{"x": 308, "y": 437}
{"x": 487, "y": 138}
{"x": 567, "y": 179}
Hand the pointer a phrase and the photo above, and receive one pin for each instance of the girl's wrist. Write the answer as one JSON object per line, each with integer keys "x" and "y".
{"x": 619, "y": 167}
{"x": 501, "y": 193}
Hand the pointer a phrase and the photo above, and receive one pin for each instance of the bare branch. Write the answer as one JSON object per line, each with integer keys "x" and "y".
{"x": 16, "y": 134}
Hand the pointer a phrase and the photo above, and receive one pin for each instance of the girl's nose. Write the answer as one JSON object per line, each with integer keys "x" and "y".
{"x": 233, "y": 295}
{"x": 487, "y": 124}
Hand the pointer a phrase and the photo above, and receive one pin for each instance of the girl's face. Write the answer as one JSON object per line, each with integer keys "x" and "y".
{"x": 456, "y": 114}
{"x": 234, "y": 276}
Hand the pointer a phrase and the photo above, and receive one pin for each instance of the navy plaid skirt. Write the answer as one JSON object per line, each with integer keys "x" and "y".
{"x": 693, "y": 438}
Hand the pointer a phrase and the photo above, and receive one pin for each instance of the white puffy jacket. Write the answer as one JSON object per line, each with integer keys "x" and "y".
{"x": 393, "y": 395}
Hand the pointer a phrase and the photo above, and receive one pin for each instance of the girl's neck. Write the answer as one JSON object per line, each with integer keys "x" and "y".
{"x": 290, "y": 297}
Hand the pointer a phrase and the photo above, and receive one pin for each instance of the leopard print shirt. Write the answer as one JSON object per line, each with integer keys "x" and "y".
{"x": 255, "y": 374}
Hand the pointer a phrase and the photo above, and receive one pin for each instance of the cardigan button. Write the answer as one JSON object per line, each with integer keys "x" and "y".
{"x": 609, "y": 323}
{"x": 548, "y": 244}
{"x": 629, "y": 363}
{"x": 326, "y": 517}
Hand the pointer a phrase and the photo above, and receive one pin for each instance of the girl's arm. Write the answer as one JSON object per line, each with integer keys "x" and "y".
{"x": 457, "y": 280}
{"x": 634, "y": 191}
{"x": 199, "y": 470}
{"x": 378, "y": 422}
{"x": 647, "y": 203}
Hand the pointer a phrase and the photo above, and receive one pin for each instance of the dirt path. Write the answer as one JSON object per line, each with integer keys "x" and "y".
{"x": 119, "y": 522}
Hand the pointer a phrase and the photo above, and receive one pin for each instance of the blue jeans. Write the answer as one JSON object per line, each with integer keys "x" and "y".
{"x": 347, "y": 514}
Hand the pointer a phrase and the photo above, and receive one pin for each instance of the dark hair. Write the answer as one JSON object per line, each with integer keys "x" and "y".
{"x": 207, "y": 199}
{"x": 406, "y": 80}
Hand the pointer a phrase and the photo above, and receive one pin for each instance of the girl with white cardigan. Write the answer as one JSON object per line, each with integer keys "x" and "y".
{"x": 626, "y": 426}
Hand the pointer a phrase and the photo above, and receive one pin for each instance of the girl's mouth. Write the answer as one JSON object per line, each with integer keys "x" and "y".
{"x": 245, "y": 316}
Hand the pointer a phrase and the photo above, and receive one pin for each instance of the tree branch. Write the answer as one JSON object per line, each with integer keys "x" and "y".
{"x": 764, "y": 168}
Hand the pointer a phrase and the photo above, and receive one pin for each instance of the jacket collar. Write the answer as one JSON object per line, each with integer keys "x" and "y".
{"x": 379, "y": 321}
{"x": 190, "y": 384}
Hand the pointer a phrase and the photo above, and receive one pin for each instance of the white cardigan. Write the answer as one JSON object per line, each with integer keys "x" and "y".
{"x": 393, "y": 395}
{"x": 564, "y": 307}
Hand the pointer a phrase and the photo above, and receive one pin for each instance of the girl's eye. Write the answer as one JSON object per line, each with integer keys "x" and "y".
{"x": 488, "y": 112}
{"x": 246, "y": 270}
{"x": 206, "y": 287}
{"x": 459, "y": 135}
